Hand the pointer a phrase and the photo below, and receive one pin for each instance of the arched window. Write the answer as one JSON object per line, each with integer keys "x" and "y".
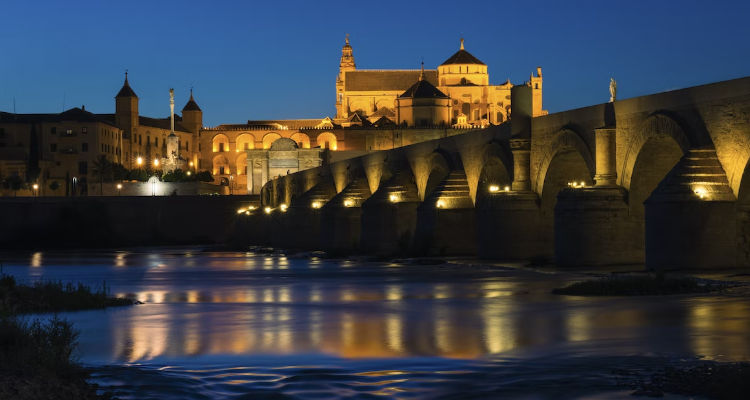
{"x": 327, "y": 140}
{"x": 220, "y": 143}
{"x": 245, "y": 141}
{"x": 303, "y": 141}
{"x": 270, "y": 138}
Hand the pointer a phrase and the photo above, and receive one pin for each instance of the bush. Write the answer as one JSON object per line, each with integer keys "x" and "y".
{"x": 37, "y": 346}
{"x": 52, "y": 297}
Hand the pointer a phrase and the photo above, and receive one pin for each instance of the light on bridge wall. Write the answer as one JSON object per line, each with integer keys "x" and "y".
{"x": 316, "y": 204}
{"x": 577, "y": 185}
{"x": 283, "y": 207}
{"x": 348, "y": 203}
{"x": 440, "y": 204}
{"x": 701, "y": 192}
{"x": 156, "y": 162}
{"x": 494, "y": 188}
{"x": 267, "y": 210}
{"x": 393, "y": 197}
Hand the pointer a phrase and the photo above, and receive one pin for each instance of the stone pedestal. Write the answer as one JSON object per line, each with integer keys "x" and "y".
{"x": 606, "y": 172}
{"x": 508, "y": 227}
{"x": 592, "y": 227}
{"x": 521, "y": 149}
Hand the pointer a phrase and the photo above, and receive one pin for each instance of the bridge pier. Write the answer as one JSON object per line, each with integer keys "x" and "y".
{"x": 592, "y": 227}
{"x": 509, "y": 226}
{"x": 446, "y": 220}
{"x": 389, "y": 216}
{"x": 299, "y": 225}
{"x": 341, "y": 221}
{"x": 691, "y": 217}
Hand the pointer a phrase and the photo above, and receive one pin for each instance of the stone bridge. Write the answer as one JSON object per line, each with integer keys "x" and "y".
{"x": 658, "y": 179}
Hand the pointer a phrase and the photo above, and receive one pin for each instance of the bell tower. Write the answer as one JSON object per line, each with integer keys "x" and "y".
{"x": 126, "y": 109}
{"x": 346, "y": 64}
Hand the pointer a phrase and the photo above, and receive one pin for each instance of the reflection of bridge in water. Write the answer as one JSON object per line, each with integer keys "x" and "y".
{"x": 657, "y": 178}
{"x": 378, "y": 314}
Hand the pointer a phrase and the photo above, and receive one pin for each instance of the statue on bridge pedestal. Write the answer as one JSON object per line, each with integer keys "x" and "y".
{"x": 612, "y": 90}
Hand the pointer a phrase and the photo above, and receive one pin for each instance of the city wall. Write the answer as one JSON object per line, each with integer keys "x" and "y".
{"x": 120, "y": 221}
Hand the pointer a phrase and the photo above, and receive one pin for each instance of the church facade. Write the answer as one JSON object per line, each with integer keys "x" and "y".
{"x": 463, "y": 78}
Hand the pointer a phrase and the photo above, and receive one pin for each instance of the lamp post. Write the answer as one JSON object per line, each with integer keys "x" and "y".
{"x": 119, "y": 188}
{"x": 75, "y": 183}
{"x": 36, "y": 189}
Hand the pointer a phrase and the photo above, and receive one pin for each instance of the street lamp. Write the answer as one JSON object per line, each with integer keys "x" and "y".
{"x": 36, "y": 189}
{"x": 119, "y": 188}
{"x": 156, "y": 162}
{"x": 139, "y": 161}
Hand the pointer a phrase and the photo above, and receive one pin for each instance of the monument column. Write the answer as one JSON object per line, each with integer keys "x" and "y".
{"x": 521, "y": 149}
{"x": 606, "y": 174}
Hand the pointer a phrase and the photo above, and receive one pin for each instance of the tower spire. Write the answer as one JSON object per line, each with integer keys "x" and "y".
{"x": 126, "y": 75}
{"x": 462, "y": 43}
{"x": 421, "y": 73}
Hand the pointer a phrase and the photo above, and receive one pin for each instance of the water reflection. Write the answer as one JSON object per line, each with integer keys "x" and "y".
{"x": 219, "y": 304}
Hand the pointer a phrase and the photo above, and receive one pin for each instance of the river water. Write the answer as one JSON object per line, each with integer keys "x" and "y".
{"x": 254, "y": 326}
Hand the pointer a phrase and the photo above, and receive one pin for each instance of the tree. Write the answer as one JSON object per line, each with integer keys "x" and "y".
{"x": 103, "y": 169}
{"x": 14, "y": 183}
{"x": 54, "y": 185}
{"x": 204, "y": 176}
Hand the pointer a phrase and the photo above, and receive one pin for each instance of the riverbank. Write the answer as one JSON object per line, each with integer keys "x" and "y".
{"x": 37, "y": 356}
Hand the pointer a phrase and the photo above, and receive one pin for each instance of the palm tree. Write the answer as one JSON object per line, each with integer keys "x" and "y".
{"x": 103, "y": 169}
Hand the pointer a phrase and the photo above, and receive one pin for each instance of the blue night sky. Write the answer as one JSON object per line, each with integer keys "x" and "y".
{"x": 279, "y": 59}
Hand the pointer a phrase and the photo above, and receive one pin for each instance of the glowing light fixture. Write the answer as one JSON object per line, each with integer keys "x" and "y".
{"x": 156, "y": 162}
{"x": 494, "y": 188}
{"x": 700, "y": 192}
{"x": 348, "y": 203}
{"x": 119, "y": 186}
{"x": 139, "y": 161}
{"x": 440, "y": 204}
{"x": 393, "y": 197}
{"x": 247, "y": 212}
{"x": 316, "y": 204}
{"x": 283, "y": 207}
{"x": 267, "y": 210}
{"x": 577, "y": 185}
{"x": 35, "y": 186}
{"x": 251, "y": 208}
{"x": 188, "y": 173}
{"x": 191, "y": 163}
{"x": 241, "y": 210}
{"x": 506, "y": 188}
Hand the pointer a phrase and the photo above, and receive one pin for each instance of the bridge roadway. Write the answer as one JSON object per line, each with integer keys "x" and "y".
{"x": 659, "y": 179}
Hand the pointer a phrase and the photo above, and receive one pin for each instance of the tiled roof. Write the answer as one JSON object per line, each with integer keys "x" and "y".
{"x": 385, "y": 80}
{"x": 462, "y": 57}
{"x": 191, "y": 104}
{"x": 126, "y": 91}
{"x": 74, "y": 114}
{"x": 423, "y": 89}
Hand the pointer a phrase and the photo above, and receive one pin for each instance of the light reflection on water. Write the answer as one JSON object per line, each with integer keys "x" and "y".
{"x": 231, "y": 309}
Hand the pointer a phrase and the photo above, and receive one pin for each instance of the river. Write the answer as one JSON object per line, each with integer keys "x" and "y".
{"x": 238, "y": 325}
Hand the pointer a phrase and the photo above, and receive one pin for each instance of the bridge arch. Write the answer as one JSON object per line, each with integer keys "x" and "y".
{"x": 567, "y": 147}
{"x": 497, "y": 170}
{"x": 658, "y": 126}
{"x": 438, "y": 167}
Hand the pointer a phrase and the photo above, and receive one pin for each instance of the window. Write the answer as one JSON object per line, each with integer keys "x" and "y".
{"x": 148, "y": 140}
{"x": 83, "y": 167}
{"x": 221, "y": 170}
{"x": 53, "y": 130}
{"x": 187, "y": 146}
{"x": 156, "y": 141}
{"x": 69, "y": 132}
{"x": 84, "y": 147}
{"x": 221, "y": 149}
{"x": 84, "y": 130}
{"x": 139, "y": 139}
